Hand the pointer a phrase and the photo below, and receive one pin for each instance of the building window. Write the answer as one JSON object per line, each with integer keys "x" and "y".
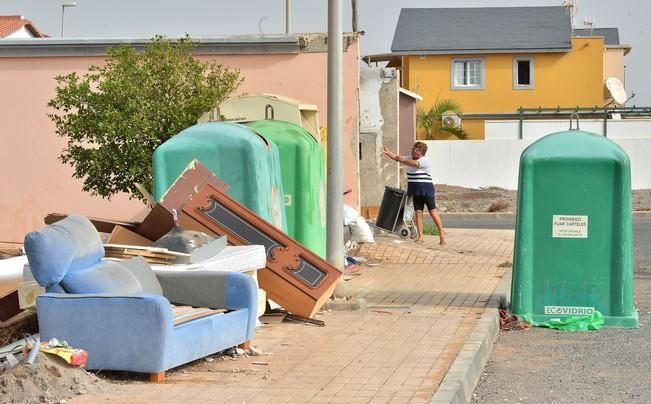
{"x": 467, "y": 74}
{"x": 522, "y": 73}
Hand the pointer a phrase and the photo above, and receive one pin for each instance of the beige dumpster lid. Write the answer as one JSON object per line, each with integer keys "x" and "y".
{"x": 288, "y": 100}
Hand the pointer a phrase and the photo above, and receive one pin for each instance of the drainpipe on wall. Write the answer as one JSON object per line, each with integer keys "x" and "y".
{"x": 520, "y": 124}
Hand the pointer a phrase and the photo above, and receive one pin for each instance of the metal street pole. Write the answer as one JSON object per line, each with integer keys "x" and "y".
{"x": 63, "y": 12}
{"x": 353, "y": 5}
{"x": 288, "y": 16}
{"x": 335, "y": 201}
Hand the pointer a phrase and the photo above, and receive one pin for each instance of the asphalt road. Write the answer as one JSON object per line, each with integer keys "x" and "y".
{"x": 477, "y": 223}
{"x": 610, "y": 365}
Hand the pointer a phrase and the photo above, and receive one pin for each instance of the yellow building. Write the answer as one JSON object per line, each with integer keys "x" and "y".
{"x": 497, "y": 60}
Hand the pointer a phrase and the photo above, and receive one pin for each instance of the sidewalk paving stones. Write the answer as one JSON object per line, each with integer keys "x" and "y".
{"x": 423, "y": 302}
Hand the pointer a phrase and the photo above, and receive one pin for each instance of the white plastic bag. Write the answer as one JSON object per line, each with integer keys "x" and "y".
{"x": 350, "y": 214}
{"x": 360, "y": 231}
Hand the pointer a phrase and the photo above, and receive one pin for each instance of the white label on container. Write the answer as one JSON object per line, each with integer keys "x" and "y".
{"x": 569, "y": 311}
{"x": 569, "y": 226}
{"x": 287, "y": 199}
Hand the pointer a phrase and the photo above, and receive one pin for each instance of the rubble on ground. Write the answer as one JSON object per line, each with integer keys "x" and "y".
{"x": 455, "y": 199}
{"x": 48, "y": 380}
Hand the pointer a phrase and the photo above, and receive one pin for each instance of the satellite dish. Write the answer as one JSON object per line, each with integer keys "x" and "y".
{"x": 616, "y": 89}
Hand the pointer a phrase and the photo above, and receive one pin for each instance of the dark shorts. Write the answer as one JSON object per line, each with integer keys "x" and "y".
{"x": 421, "y": 200}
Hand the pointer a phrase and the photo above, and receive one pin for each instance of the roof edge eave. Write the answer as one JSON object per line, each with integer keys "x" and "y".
{"x": 410, "y": 94}
{"x": 98, "y": 47}
{"x": 479, "y": 51}
{"x": 626, "y": 48}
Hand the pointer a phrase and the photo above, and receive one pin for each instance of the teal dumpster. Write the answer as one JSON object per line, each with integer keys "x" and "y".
{"x": 573, "y": 241}
{"x": 245, "y": 160}
{"x": 303, "y": 176}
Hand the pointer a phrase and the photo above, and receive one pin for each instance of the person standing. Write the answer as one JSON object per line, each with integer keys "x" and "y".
{"x": 420, "y": 186}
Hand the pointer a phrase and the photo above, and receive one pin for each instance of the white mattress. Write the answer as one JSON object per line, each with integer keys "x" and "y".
{"x": 11, "y": 273}
{"x": 231, "y": 258}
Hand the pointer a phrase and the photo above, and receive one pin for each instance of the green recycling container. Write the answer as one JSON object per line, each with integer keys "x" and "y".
{"x": 303, "y": 176}
{"x": 573, "y": 240}
{"x": 245, "y": 160}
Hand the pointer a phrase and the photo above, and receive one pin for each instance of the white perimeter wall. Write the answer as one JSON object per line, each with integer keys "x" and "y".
{"x": 484, "y": 163}
{"x": 617, "y": 128}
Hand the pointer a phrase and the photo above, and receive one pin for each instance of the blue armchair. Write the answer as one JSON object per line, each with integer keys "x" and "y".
{"x": 120, "y": 312}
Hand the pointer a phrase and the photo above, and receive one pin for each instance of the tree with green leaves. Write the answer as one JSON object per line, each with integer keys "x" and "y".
{"x": 431, "y": 120}
{"x": 116, "y": 115}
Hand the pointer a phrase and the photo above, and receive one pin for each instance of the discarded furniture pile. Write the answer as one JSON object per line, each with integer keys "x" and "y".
{"x": 120, "y": 312}
{"x": 192, "y": 278}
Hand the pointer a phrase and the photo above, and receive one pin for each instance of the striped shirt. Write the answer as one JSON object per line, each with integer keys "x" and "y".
{"x": 419, "y": 179}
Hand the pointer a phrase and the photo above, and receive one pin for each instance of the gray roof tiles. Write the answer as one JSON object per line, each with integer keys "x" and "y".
{"x": 611, "y": 35}
{"x": 482, "y": 30}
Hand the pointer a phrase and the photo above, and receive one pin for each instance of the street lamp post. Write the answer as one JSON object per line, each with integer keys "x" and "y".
{"x": 288, "y": 16}
{"x": 63, "y": 11}
{"x": 335, "y": 182}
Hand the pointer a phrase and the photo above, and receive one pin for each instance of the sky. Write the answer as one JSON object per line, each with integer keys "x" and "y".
{"x": 378, "y": 18}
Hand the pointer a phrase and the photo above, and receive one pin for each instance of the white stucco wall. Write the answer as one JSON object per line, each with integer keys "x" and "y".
{"x": 483, "y": 163}
{"x": 617, "y": 128}
{"x": 370, "y": 113}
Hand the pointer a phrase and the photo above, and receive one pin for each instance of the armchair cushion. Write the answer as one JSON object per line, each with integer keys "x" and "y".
{"x": 141, "y": 269}
{"x": 67, "y": 245}
{"x": 104, "y": 277}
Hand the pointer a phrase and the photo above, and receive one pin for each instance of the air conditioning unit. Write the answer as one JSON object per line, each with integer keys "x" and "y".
{"x": 451, "y": 120}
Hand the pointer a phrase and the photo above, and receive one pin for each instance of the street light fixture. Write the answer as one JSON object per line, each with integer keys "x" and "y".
{"x": 63, "y": 11}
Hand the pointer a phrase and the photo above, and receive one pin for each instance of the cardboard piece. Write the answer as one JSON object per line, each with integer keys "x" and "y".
{"x": 122, "y": 235}
{"x": 102, "y": 225}
{"x": 27, "y": 294}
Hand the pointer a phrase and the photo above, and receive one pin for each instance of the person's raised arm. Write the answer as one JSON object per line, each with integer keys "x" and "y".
{"x": 393, "y": 156}
{"x": 396, "y": 157}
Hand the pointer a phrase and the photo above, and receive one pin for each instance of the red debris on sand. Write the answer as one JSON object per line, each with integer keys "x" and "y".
{"x": 509, "y": 322}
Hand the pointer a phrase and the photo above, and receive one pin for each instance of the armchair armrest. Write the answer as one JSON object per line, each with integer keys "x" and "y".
{"x": 135, "y": 330}
{"x": 214, "y": 289}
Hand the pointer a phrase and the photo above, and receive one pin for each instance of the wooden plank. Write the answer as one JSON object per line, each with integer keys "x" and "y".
{"x": 195, "y": 313}
{"x": 159, "y": 221}
{"x": 194, "y": 177}
{"x": 102, "y": 225}
{"x": 9, "y": 305}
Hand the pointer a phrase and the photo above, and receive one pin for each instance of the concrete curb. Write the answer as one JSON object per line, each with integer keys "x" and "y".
{"x": 463, "y": 376}
{"x": 477, "y": 215}
{"x": 507, "y": 215}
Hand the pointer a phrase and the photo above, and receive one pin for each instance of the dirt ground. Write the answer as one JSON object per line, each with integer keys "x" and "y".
{"x": 48, "y": 380}
{"x": 451, "y": 198}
